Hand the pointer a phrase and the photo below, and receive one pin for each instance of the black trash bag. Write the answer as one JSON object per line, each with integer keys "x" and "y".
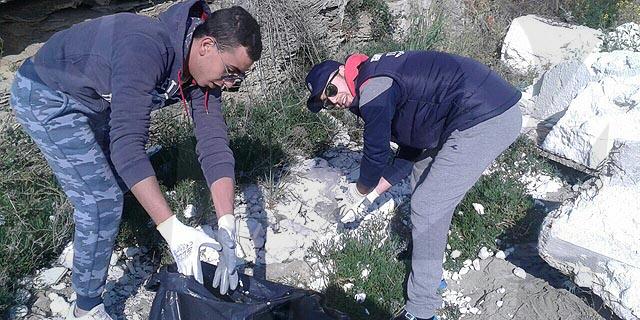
{"x": 181, "y": 297}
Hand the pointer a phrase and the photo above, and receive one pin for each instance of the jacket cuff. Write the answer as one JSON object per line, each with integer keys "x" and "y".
{"x": 223, "y": 170}
{"x": 136, "y": 171}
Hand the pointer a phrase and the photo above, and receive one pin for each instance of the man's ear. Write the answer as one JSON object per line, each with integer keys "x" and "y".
{"x": 204, "y": 44}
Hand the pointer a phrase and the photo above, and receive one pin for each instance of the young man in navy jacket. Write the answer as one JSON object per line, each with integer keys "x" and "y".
{"x": 86, "y": 99}
{"x": 451, "y": 117}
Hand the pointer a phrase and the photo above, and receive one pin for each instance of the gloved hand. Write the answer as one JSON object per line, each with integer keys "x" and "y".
{"x": 355, "y": 204}
{"x": 226, "y": 275}
{"x": 185, "y": 243}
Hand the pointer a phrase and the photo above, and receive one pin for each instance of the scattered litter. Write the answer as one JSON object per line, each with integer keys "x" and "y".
{"x": 479, "y": 208}
{"x": 364, "y": 275}
{"x": 519, "y": 273}
{"x": 360, "y": 297}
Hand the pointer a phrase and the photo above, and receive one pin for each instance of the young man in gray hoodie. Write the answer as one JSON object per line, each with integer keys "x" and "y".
{"x": 86, "y": 99}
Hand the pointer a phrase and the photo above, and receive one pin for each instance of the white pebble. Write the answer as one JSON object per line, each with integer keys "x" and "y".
{"x": 463, "y": 310}
{"x": 455, "y": 254}
{"x": 501, "y": 255}
{"x": 365, "y": 274}
{"x": 484, "y": 253}
{"x": 479, "y": 208}
{"x": 463, "y": 270}
{"x": 501, "y": 290}
{"x": 347, "y": 286}
{"x": 474, "y": 310}
{"x": 476, "y": 264}
{"x": 189, "y": 212}
{"x": 499, "y": 303}
{"x": 467, "y": 263}
{"x": 360, "y": 297}
{"x": 519, "y": 273}
{"x": 455, "y": 276}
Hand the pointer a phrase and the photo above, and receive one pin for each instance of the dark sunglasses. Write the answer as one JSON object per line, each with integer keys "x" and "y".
{"x": 330, "y": 91}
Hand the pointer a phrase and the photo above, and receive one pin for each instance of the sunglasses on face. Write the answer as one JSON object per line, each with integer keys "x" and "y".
{"x": 330, "y": 91}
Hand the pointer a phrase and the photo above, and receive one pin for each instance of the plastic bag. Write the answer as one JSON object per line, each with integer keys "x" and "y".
{"x": 181, "y": 297}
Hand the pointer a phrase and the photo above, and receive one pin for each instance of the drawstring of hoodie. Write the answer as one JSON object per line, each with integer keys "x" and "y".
{"x": 184, "y": 100}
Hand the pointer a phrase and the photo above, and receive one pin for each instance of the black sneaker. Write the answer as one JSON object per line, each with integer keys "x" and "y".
{"x": 404, "y": 315}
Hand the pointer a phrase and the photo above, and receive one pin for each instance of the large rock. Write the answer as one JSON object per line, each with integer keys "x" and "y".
{"x": 595, "y": 239}
{"x": 605, "y": 111}
{"x": 557, "y": 88}
{"x": 535, "y": 44}
{"x": 624, "y": 37}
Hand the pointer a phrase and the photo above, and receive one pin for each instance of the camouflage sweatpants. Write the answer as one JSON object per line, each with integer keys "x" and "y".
{"x": 75, "y": 143}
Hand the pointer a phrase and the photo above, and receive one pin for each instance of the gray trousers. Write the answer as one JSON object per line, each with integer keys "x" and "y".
{"x": 76, "y": 146}
{"x": 439, "y": 182}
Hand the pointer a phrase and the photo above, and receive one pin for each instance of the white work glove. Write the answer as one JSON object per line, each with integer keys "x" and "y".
{"x": 185, "y": 243}
{"x": 355, "y": 204}
{"x": 226, "y": 275}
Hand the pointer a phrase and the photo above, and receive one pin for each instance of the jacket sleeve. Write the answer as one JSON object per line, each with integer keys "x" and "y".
{"x": 402, "y": 164}
{"x": 377, "y": 107}
{"x": 137, "y": 65}
{"x": 212, "y": 141}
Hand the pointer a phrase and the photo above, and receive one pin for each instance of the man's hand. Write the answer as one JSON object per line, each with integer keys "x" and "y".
{"x": 185, "y": 243}
{"x": 355, "y": 204}
{"x": 226, "y": 275}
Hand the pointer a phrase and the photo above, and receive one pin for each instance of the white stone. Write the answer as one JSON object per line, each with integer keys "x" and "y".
{"x": 455, "y": 276}
{"x": 499, "y": 303}
{"x": 364, "y": 275}
{"x": 190, "y": 211}
{"x": 500, "y": 255}
{"x": 467, "y": 263}
{"x": 476, "y": 264}
{"x": 535, "y": 43}
{"x": 484, "y": 253}
{"x": 58, "y": 305}
{"x": 474, "y": 310}
{"x": 520, "y": 273}
{"x": 595, "y": 238}
{"x": 479, "y": 208}
{"x": 557, "y": 87}
{"x": 502, "y": 290}
{"x": 50, "y": 276}
{"x": 605, "y": 111}
{"x": 347, "y": 286}
{"x": 66, "y": 257}
{"x": 360, "y": 297}
{"x": 455, "y": 254}
{"x": 114, "y": 258}
{"x": 59, "y": 286}
{"x": 624, "y": 37}
{"x": 463, "y": 271}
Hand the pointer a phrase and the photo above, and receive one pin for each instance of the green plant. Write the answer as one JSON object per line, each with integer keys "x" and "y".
{"x": 596, "y": 13}
{"x": 368, "y": 249}
{"x": 381, "y": 20}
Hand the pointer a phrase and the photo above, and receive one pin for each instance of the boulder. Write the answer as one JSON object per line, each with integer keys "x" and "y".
{"x": 534, "y": 43}
{"x": 594, "y": 239}
{"x": 605, "y": 111}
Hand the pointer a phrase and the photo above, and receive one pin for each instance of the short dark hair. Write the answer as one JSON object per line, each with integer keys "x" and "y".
{"x": 233, "y": 27}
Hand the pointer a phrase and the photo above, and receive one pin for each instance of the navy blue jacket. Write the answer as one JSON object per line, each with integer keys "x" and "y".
{"x": 433, "y": 94}
{"x": 128, "y": 65}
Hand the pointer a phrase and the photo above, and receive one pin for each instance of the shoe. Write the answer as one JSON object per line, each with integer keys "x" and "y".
{"x": 97, "y": 313}
{"x": 404, "y": 315}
